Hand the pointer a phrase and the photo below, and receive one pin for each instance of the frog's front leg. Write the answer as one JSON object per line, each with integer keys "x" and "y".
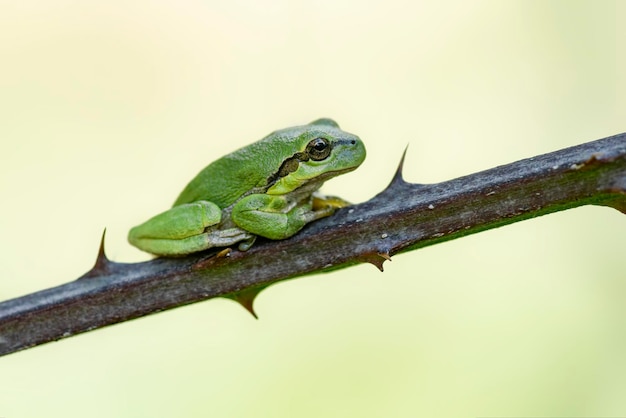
{"x": 185, "y": 229}
{"x": 275, "y": 217}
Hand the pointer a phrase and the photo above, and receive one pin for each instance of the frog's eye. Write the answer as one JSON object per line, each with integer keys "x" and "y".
{"x": 318, "y": 149}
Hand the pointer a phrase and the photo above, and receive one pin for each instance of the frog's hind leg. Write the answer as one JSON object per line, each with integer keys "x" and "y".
{"x": 178, "y": 231}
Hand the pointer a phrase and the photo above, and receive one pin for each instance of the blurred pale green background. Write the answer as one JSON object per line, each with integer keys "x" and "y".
{"x": 107, "y": 109}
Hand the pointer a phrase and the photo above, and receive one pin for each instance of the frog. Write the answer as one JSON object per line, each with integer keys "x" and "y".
{"x": 266, "y": 189}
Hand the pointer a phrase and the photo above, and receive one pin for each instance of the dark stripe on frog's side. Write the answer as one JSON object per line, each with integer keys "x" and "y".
{"x": 290, "y": 165}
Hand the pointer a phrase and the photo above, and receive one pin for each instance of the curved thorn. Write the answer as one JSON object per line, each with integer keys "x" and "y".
{"x": 246, "y": 299}
{"x": 385, "y": 255}
{"x": 617, "y": 203}
{"x": 102, "y": 257}
{"x": 102, "y": 265}
{"x": 376, "y": 259}
{"x": 397, "y": 177}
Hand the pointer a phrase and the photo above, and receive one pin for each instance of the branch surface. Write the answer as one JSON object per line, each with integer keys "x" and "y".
{"x": 403, "y": 217}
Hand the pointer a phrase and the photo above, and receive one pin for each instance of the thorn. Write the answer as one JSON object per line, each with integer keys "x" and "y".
{"x": 618, "y": 203}
{"x": 620, "y": 206}
{"x": 102, "y": 265}
{"x": 397, "y": 177}
{"x": 385, "y": 255}
{"x": 246, "y": 299}
{"x": 618, "y": 190}
{"x": 377, "y": 259}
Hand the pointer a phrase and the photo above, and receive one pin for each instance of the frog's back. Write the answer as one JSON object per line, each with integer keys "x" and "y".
{"x": 227, "y": 179}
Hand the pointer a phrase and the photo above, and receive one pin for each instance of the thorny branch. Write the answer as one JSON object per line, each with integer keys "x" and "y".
{"x": 403, "y": 217}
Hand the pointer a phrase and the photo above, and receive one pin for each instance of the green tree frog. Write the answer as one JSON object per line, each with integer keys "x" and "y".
{"x": 264, "y": 189}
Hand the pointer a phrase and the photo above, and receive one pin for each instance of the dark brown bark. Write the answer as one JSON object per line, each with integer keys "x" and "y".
{"x": 401, "y": 218}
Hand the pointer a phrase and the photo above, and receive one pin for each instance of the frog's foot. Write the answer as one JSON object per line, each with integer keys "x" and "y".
{"x": 228, "y": 237}
{"x": 247, "y": 243}
{"x": 195, "y": 243}
{"x": 321, "y": 202}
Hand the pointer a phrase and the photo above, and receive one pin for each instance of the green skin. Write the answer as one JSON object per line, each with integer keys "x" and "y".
{"x": 265, "y": 189}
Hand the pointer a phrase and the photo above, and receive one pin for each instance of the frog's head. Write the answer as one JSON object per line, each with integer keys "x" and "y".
{"x": 319, "y": 151}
